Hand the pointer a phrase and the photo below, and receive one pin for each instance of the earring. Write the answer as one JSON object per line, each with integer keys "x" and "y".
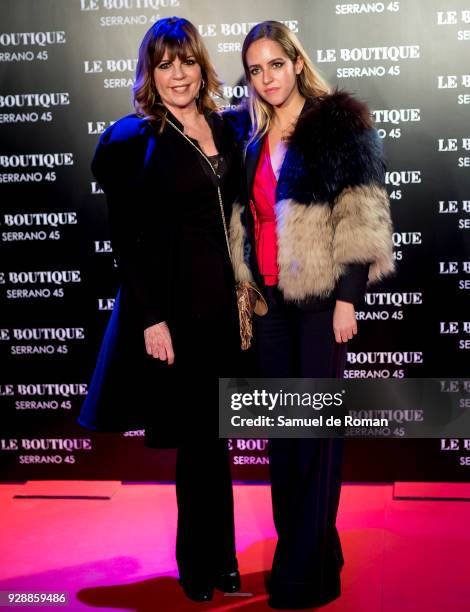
{"x": 203, "y": 84}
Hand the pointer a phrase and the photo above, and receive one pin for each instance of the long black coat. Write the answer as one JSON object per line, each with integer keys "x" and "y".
{"x": 168, "y": 239}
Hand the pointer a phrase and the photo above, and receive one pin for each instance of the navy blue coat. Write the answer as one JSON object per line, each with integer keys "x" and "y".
{"x": 168, "y": 240}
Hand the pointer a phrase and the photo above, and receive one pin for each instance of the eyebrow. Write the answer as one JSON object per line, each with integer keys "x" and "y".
{"x": 164, "y": 61}
{"x": 276, "y": 59}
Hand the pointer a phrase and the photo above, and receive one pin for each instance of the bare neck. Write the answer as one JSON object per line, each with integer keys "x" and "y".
{"x": 187, "y": 115}
{"x": 288, "y": 112}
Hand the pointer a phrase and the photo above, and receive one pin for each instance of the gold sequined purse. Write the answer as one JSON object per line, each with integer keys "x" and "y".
{"x": 249, "y": 301}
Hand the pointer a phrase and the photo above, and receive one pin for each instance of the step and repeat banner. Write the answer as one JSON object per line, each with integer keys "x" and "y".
{"x": 67, "y": 67}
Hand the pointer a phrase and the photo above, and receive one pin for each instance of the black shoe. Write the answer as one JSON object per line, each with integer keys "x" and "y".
{"x": 290, "y": 602}
{"x": 228, "y": 583}
{"x": 196, "y": 590}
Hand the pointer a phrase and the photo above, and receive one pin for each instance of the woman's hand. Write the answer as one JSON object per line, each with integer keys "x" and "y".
{"x": 158, "y": 342}
{"x": 344, "y": 321}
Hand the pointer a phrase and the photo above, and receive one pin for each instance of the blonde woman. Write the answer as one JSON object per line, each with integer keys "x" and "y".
{"x": 313, "y": 229}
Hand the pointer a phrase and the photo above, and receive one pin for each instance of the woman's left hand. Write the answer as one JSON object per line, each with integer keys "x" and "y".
{"x": 344, "y": 321}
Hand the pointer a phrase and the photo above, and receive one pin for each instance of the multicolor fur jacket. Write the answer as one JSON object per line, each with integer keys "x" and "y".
{"x": 332, "y": 209}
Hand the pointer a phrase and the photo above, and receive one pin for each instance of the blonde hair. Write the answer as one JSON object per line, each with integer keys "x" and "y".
{"x": 179, "y": 37}
{"x": 309, "y": 82}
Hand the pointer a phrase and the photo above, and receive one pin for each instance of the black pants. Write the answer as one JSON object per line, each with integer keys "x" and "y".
{"x": 305, "y": 473}
{"x": 204, "y": 350}
{"x": 205, "y": 542}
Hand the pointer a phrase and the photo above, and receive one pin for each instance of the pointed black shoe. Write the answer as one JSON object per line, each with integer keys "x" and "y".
{"x": 228, "y": 583}
{"x": 296, "y": 600}
{"x": 197, "y": 591}
{"x": 279, "y": 602}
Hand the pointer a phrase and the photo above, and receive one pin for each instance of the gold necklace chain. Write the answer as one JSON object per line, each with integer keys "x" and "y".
{"x": 221, "y": 205}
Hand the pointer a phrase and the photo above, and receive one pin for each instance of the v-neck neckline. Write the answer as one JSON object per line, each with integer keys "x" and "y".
{"x": 207, "y": 115}
{"x": 267, "y": 154}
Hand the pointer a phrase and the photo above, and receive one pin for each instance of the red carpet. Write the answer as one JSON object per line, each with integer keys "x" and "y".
{"x": 403, "y": 552}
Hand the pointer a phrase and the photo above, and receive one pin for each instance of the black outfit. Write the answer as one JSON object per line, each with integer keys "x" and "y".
{"x": 169, "y": 241}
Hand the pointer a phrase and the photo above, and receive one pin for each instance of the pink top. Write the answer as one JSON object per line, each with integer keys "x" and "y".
{"x": 262, "y": 207}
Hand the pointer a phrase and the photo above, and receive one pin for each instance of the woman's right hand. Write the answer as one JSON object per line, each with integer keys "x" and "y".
{"x": 158, "y": 342}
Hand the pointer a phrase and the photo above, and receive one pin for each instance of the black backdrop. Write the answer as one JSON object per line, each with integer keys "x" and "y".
{"x": 66, "y": 71}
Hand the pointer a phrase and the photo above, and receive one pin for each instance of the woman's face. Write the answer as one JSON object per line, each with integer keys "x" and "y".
{"x": 272, "y": 73}
{"x": 177, "y": 81}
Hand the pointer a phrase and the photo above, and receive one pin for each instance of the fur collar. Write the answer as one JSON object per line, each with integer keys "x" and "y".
{"x": 334, "y": 146}
{"x": 332, "y": 116}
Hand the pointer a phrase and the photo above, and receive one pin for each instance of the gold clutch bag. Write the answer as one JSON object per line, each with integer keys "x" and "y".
{"x": 249, "y": 301}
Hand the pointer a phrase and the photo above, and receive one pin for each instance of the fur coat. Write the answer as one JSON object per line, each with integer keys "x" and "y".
{"x": 332, "y": 208}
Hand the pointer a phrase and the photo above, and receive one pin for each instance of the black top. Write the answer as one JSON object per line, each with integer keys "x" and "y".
{"x": 218, "y": 163}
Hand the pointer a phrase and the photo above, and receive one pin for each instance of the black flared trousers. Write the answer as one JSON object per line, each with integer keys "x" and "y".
{"x": 188, "y": 395}
{"x": 305, "y": 473}
{"x": 205, "y": 541}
